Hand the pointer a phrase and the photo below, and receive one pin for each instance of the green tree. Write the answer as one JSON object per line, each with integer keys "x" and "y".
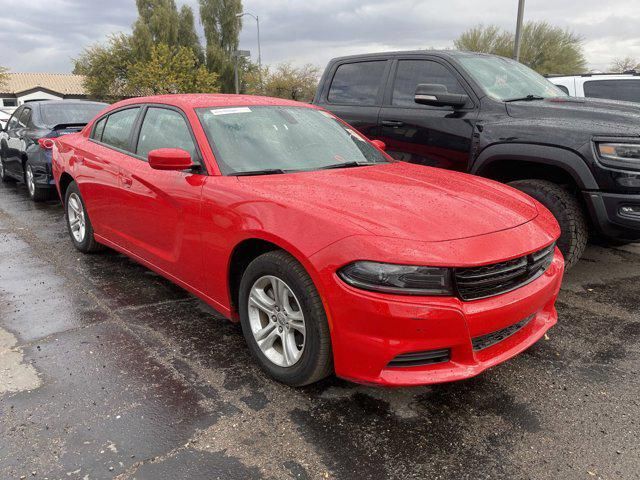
{"x": 106, "y": 68}
{"x": 222, "y": 27}
{"x": 545, "y": 48}
{"x": 187, "y": 35}
{"x": 620, "y": 65}
{"x": 157, "y": 23}
{"x": 170, "y": 71}
{"x": 285, "y": 81}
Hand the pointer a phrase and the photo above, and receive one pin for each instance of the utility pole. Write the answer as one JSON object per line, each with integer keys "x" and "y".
{"x": 257, "y": 19}
{"x": 237, "y": 55}
{"x": 516, "y": 46}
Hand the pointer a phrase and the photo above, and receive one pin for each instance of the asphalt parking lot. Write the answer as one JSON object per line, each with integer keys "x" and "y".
{"x": 109, "y": 371}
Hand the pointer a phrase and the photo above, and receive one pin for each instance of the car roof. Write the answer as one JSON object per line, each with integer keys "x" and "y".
{"x": 65, "y": 102}
{"x": 437, "y": 53}
{"x": 204, "y": 100}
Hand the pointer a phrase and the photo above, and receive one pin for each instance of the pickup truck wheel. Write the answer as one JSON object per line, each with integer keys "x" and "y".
{"x": 567, "y": 210}
{"x": 283, "y": 320}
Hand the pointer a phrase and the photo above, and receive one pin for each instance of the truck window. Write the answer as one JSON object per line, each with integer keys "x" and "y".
{"x": 563, "y": 88}
{"x": 357, "y": 83}
{"x": 411, "y": 73}
{"x": 627, "y": 90}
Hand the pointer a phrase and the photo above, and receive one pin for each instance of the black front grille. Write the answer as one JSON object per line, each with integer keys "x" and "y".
{"x": 485, "y": 341}
{"x": 428, "y": 357}
{"x": 489, "y": 280}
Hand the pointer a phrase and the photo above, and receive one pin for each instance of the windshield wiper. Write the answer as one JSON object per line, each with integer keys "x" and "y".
{"x": 346, "y": 165}
{"x": 268, "y": 171}
{"x": 528, "y": 98}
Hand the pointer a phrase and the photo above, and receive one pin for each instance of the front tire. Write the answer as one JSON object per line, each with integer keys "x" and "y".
{"x": 568, "y": 212}
{"x": 283, "y": 320}
{"x": 78, "y": 222}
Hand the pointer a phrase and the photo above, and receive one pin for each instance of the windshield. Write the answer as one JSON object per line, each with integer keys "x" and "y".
{"x": 61, "y": 113}
{"x": 250, "y": 139}
{"x": 504, "y": 79}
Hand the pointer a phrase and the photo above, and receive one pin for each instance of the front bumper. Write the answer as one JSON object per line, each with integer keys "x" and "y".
{"x": 607, "y": 217}
{"x": 370, "y": 330}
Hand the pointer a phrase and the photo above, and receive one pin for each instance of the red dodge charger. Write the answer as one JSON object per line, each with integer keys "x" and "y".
{"x": 333, "y": 256}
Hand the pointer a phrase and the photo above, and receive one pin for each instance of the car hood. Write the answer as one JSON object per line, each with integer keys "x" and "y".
{"x": 597, "y": 116}
{"x": 400, "y": 200}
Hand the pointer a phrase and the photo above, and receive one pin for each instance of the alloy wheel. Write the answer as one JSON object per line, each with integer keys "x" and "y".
{"x": 76, "y": 218}
{"x": 31, "y": 185}
{"x": 277, "y": 321}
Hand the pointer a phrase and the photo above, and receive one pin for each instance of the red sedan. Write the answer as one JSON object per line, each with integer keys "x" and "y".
{"x": 333, "y": 256}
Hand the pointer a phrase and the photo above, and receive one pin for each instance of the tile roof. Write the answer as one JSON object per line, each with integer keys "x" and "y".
{"x": 63, "y": 83}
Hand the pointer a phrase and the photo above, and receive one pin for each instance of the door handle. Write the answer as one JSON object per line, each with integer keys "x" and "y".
{"x": 392, "y": 123}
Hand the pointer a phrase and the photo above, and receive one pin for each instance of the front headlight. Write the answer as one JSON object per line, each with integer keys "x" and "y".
{"x": 620, "y": 155}
{"x": 398, "y": 279}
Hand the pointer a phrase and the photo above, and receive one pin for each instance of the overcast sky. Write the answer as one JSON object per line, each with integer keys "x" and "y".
{"x": 44, "y": 35}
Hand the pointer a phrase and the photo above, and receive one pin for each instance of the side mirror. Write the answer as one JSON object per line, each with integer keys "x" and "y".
{"x": 170, "y": 159}
{"x": 438, "y": 96}
{"x": 380, "y": 144}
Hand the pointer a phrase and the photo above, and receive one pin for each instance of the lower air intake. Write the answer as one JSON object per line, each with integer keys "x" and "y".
{"x": 490, "y": 339}
{"x": 415, "y": 359}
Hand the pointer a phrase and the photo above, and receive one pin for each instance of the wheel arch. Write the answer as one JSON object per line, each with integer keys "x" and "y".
{"x": 249, "y": 248}
{"x": 63, "y": 184}
{"x": 507, "y": 162}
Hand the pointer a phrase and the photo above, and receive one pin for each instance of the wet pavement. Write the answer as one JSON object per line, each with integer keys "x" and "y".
{"x": 110, "y": 371}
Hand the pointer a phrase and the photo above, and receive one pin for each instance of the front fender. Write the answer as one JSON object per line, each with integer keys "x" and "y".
{"x": 566, "y": 159}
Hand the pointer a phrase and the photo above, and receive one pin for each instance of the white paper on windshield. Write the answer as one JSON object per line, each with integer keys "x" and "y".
{"x": 227, "y": 111}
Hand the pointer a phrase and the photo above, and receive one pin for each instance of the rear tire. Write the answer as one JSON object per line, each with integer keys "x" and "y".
{"x": 568, "y": 212}
{"x": 302, "y": 310}
{"x": 36, "y": 193}
{"x": 78, "y": 222}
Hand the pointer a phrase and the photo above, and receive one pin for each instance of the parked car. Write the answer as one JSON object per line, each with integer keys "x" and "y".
{"x": 330, "y": 254}
{"x": 26, "y": 141}
{"x": 623, "y": 86}
{"x": 496, "y": 118}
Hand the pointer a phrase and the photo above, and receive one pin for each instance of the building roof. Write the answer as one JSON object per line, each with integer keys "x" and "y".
{"x": 62, "y": 83}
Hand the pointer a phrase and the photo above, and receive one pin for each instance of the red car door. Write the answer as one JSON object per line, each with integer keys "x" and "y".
{"x": 162, "y": 216}
{"x": 102, "y": 162}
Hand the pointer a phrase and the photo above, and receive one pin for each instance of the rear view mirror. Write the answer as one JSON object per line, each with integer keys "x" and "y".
{"x": 380, "y": 144}
{"x": 170, "y": 159}
{"x": 438, "y": 96}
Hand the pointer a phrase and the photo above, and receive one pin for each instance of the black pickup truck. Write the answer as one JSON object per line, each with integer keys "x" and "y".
{"x": 494, "y": 117}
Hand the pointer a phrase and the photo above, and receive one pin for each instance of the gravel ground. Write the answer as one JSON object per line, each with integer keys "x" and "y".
{"x": 109, "y": 371}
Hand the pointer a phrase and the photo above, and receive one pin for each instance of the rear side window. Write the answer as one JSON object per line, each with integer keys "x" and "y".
{"x": 411, "y": 73}
{"x": 98, "y": 129}
{"x": 118, "y": 128}
{"x": 157, "y": 124}
{"x": 626, "y": 90}
{"x": 563, "y": 88}
{"x": 357, "y": 83}
{"x": 13, "y": 121}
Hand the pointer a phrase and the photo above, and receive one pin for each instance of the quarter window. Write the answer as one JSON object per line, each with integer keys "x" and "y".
{"x": 117, "y": 130}
{"x": 164, "y": 128}
{"x": 98, "y": 129}
{"x": 411, "y": 73}
{"x": 563, "y": 88}
{"x": 357, "y": 83}
{"x": 626, "y": 90}
{"x": 25, "y": 117}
